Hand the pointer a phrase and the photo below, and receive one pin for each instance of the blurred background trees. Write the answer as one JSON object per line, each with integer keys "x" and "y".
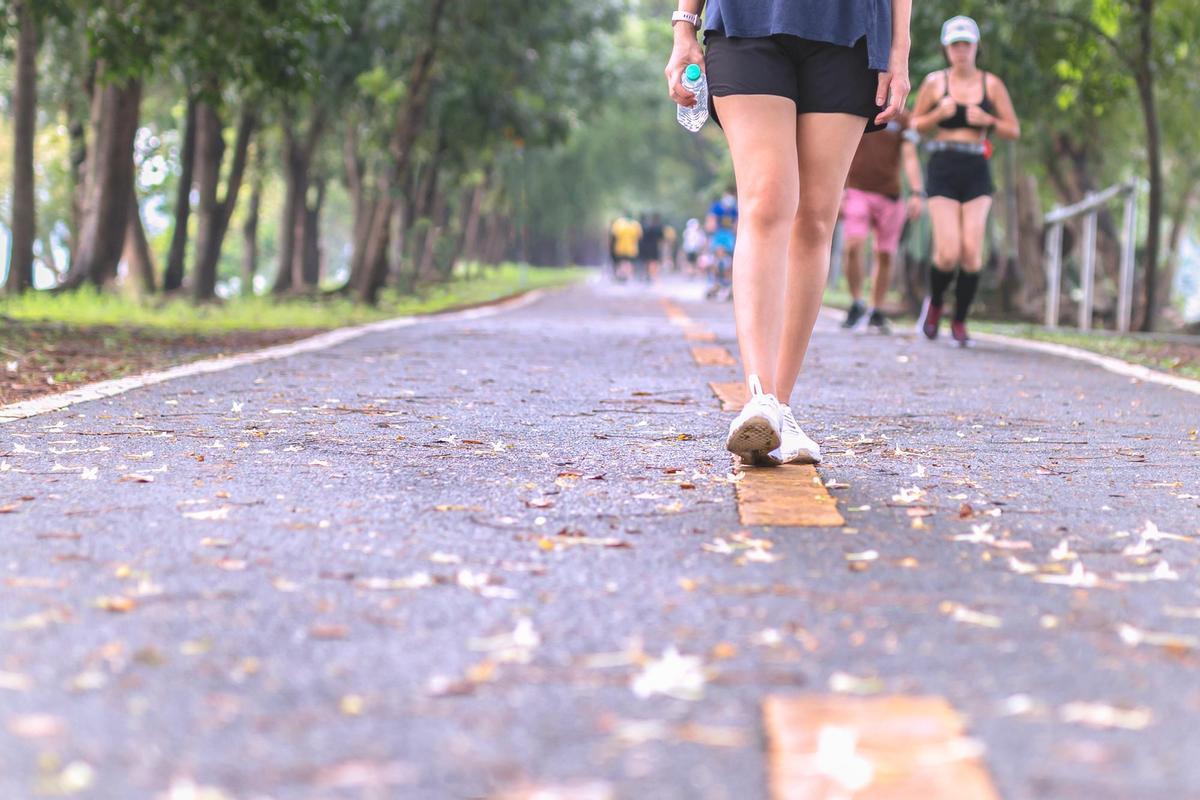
{"x": 217, "y": 148}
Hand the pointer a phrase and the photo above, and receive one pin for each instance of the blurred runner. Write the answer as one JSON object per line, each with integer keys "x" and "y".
{"x": 720, "y": 282}
{"x": 872, "y": 203}
{"x": 626, "y": 235}
{"x": 724, "y": 213}
{"x": 670, "y": 247}
{"x": 694, "y": 242}
{"x": 961, "y": 104}
{"x": 650, "y": 249}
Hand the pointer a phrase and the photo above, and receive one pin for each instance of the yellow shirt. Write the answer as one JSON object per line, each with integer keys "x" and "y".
{"x": 626, "y": 235}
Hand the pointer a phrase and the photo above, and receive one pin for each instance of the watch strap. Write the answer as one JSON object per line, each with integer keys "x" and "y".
{"x": 688, "y": 17}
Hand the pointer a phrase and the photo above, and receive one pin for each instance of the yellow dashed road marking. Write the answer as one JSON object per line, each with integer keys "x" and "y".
{"x": 732, "y": 395}
{"x": 883, "y": 748}
{"x": 713, "y": 357}
{"x": 698, "y": 334}
{"x": 791, "y": 496}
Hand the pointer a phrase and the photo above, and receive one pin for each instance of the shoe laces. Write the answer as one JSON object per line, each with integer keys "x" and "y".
{"x": 789, "y": 420}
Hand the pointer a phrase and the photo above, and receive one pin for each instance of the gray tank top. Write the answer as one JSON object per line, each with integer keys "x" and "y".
{"x": 841, "y": 22}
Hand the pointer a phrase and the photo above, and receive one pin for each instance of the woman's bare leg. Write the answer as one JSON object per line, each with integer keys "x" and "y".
{"x": 825, "y": 146}
{"x": 946, "y": 217}
{"x": 761, "y": 130}
{"x": 974, "y": 228}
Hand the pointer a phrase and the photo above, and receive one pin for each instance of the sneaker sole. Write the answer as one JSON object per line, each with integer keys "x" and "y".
{"x": 753, "y": 440}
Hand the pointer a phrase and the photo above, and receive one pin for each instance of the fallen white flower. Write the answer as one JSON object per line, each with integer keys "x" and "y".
{"x": 1063, "y": 552}
{"x": 1134, "y": 636}
{"x": 673, "y": 675}
{"x": 1101, "y": 715}
{"x": 1162, "y": 572}
{"x": 909, "y": 495}
{"x": 1078, "y": 577}
{"x": 1021, "y": 567}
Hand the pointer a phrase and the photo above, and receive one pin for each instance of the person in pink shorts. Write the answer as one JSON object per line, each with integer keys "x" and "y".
{"x": 873, "y": 204}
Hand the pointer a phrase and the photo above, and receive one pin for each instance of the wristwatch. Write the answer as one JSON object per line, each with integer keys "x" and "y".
{"x": 686, "y": 16}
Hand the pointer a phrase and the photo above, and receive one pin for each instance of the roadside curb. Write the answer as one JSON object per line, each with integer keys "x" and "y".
{"x": 321, "y": 341}
{"x": 1110, "y": 363}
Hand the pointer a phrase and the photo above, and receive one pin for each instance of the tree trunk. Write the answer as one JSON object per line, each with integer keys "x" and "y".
{"x": 311, "y": 252}
{"x": 177, "y": 255}
{"x": 24, "y": 203}
{"x": 213, "y": 215}
{"x": 77, "y": 128}
{"x": 363, "y": 208}
{"x": 1030, "y": 248}
{"x": 298, "y": 155}
{"x": 1145, "y": 84}
{"x": 409, "y": 121}
{"x": 137, "y": 255}
{"x": 250, "y": 227}
{"x": 105, "y": 213}
{"x": 1180, "y": 215}
{"x": 470, "y": 227}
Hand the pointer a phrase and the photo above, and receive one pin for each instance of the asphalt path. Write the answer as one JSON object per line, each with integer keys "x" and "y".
{"x": 456, "y": 559}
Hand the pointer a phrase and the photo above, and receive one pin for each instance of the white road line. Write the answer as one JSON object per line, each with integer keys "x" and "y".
{"x": 322, "y": 341}
{"x": 1109, "y": 363}
{"x": 1116, "y": 365}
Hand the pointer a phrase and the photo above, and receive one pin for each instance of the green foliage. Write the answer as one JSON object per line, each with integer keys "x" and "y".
{"x": 89, "y": 307}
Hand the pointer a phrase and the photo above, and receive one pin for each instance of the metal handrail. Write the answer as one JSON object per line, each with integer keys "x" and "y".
{"x": 1091, "y": 205}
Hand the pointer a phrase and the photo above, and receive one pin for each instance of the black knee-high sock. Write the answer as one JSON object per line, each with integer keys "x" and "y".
{"x": 964, "y": 293}
{"x": 939, "y": 282}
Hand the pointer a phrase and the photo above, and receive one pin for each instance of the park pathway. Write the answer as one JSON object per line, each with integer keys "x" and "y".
{"x": 472, "y": 557}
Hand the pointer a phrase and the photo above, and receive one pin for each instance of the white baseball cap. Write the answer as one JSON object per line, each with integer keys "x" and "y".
{"x": 959, "y": 29}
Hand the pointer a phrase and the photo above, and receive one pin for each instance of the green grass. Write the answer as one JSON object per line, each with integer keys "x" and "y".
{"x": 89, "y": 307}
{"x": 1173, "y": 358}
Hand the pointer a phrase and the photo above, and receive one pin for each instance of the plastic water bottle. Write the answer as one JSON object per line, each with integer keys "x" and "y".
{"x": 694, "y": 81}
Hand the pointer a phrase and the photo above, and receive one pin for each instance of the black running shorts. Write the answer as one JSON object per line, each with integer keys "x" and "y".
{"x": 820, "y": 78}
{"x": 958, "y": 176}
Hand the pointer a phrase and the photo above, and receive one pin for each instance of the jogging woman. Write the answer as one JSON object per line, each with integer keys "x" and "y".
{"x": 962, "y": 104}
{"x": 795, "y": 84}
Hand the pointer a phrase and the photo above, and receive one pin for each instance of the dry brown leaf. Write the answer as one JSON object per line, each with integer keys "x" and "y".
{"x": 118, "y": 604}
{"x": 328, "y": 632}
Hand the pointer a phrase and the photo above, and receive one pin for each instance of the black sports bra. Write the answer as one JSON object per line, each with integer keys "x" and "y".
{"x": 959, "y": 120}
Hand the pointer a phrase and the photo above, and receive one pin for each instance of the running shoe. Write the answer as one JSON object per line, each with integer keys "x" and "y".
{"x": 959, "y": 331}
{"x": 878, "y": 323}
{"x": 858, "y": 310}
{"x": 929, "y": 320}
{"x": 756, "y": 430}
{"x": 795, "y": 447}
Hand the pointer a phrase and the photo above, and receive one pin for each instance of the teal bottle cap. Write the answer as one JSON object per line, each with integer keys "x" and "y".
{"x": 692, "y": 73}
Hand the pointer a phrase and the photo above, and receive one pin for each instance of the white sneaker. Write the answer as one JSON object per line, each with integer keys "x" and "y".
{"x": 756, "y": 430}
{"x": 795, "y": 447}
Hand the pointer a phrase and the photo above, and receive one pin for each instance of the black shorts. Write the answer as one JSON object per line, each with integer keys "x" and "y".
{"x": 958, "y": 176}
{"x": 820, "y": 78}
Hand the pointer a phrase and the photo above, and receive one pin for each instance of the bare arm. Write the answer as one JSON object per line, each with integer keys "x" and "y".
{"x": 686, "y": 51}
{"x": 894, "y": 84}
{"x": 928, "y": 111}
{"x": 1006, "y": 124}
{"x": 912, "y": 168}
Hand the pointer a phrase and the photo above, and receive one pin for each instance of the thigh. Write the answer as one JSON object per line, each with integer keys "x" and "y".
{"x": 761, "y": 131}
{"x": 825, "y": 145}
{"x": 856, "y": 217}
{"x": 946, "y": 217}
{"x": 889, "y": 223}
{"x": 974, "y": 223}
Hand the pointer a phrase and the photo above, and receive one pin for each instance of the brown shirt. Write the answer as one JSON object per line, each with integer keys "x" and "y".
{"x": 876, "y": 166}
